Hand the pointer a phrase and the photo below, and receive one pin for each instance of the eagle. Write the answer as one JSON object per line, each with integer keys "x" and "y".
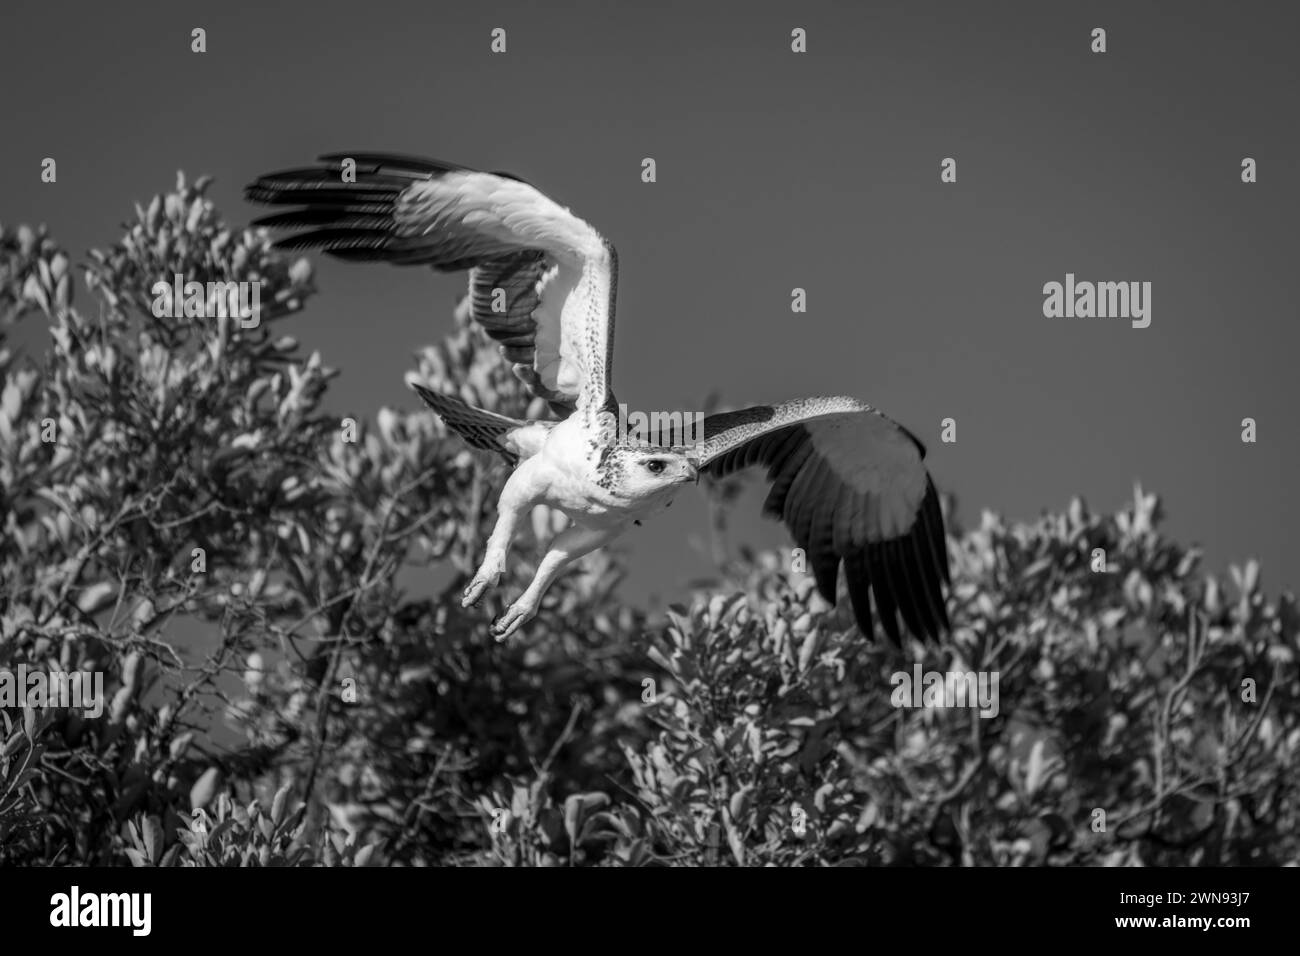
{"x": 849, "y": 483}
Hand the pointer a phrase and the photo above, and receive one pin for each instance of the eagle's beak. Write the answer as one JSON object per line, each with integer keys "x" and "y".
{"x": 695, "y": 471}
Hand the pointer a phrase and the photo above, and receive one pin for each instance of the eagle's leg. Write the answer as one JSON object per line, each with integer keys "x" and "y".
{"x": 568, "y": 546}
{"x": 517, "y": 498}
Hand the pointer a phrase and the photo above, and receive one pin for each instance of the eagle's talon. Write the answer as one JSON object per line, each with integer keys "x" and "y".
{"x": 489, "y": 576}
{"x": 473, "y": 594}
{"x": 515, "y": 616}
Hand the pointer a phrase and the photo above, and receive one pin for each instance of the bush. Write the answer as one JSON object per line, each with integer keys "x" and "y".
{"x": 171, "y": 476}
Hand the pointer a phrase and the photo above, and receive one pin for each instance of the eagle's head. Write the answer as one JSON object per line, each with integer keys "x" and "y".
{"x": 642, "y": 473}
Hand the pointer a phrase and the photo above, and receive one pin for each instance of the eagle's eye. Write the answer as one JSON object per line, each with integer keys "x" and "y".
{"x": 656, "y": 465}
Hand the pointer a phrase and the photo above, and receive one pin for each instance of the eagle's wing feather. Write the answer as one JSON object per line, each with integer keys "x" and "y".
{"x": 554, "y": 314}
{"x": 851, "y": 486}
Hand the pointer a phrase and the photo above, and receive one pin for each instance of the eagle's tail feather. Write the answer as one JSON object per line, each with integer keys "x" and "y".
{"x": 479, "y": 427}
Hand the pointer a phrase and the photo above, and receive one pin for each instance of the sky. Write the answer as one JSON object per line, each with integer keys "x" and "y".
{"x": 776, "y": 171}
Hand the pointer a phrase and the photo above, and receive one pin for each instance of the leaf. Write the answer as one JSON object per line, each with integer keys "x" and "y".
{"x": 573, "y": 812}
{"x": 736, "y": 843}
{"x": 172, "y": 854}
{"x": 92, "y": 599}
{"x": 132, "y": 671}
{"x": 820, "y": 797}
{"x": 681, "y": 620}
{"x": 1034, "y": 774}
{"x": 740, "y": 803}
{"x": 153, "y": 214}
{"x": 1202, "y": 814}
{"x": 808, "y": 648}
{"x": 205, "y": 788}
{"x": 1250, "y": 577}
{"x": 277, "y": 805}
{"x": 153, "y": 839}
{"x": 13, "y": 745}
{"x": 220, "y": 830}
{"x": 1039, "y": 566}
{"x": 33, "y": 290}
{"x": 660, "y": 658}
{"x": 591, "y": 802}
{"x": 300, "y": 271}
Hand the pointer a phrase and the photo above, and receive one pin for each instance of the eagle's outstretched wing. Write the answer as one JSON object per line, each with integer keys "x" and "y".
{"x": 542, "y": 281}
{"x": 850, "y": 485}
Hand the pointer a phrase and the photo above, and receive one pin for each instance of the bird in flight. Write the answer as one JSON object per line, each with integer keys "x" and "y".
{"x": 849, "y": 483}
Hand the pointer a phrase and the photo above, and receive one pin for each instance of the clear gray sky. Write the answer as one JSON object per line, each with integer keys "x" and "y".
{"x": 778, "y": 170}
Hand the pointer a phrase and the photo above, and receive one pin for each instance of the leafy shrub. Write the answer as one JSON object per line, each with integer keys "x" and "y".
{"x": 195, "y": 484}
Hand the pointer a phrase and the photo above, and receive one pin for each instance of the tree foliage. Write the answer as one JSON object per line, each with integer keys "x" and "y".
{"x": 163, "y": 478}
